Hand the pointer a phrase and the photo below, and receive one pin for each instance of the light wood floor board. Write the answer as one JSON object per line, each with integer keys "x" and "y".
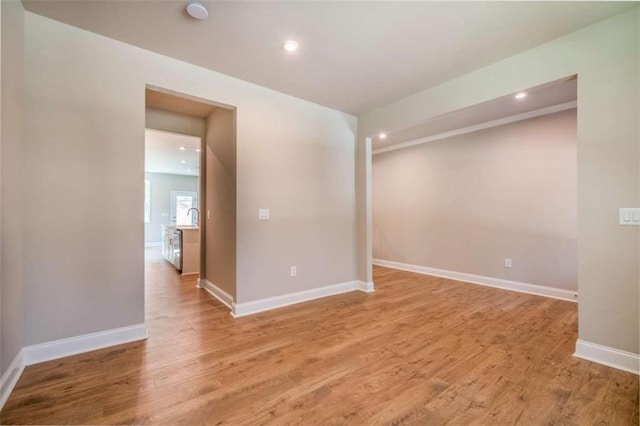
{"x": 420, "y": 350}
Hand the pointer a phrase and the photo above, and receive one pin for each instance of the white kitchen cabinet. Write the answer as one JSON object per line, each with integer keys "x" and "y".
{"x": 181, "y": 247}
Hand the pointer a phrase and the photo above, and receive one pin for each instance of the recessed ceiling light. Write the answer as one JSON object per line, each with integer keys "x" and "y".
{"x": 290, "y": 45}
{"x": 182, "y": 148}
{"x": 382, "y": 135}
{"x": 198, "y": 150}
{"x": 183, "y": 161}
{"x": 197, "y": 10}
{"x": 521, "y": 95}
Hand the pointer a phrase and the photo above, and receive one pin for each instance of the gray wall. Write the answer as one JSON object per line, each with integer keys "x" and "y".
{"x": 466, "y": 203}
{"x": 605, "y": 56}
{"x": 161, "y": 186}
{"x": 12, "y": 180}
{"x": 85, "y": 121}
{"x": 220, "y": 200}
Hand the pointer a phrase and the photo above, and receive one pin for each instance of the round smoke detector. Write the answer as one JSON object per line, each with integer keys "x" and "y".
{"x": 197, "y": 10}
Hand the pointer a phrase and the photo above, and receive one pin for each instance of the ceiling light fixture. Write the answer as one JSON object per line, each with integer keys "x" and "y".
{"x": 521, "y": 95}
{"x": 290, "y": 45}
{"x": 197, "y": 10}
{"x": 382, "y": 135}
{"x": 183, "y": 162}
{"x": 198, "y": 150}
{"x": 182, "y": 148}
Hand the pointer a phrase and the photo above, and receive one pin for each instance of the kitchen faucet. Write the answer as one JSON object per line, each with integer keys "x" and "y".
{"x": 197, "y": 217}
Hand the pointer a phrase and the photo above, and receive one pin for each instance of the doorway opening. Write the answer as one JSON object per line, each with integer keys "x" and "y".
{"x": 172, "y": 184}
{"x": 190, "y": 199}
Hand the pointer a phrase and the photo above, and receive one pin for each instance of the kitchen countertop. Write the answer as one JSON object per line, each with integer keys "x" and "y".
{"x": 183, "y": 228}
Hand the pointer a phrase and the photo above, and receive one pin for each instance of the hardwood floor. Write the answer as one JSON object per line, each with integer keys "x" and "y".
{"x": 420, "y": 350}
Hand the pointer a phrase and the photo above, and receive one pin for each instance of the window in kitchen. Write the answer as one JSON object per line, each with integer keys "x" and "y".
{"x": 181, "y": 204}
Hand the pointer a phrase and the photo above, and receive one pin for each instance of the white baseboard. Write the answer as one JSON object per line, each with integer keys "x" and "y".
{"x": 622, "y": 360}
{"x": 253, "y": 307}
{"x": 10, "y": 377}
{"x": 148, "y": 245}
{"x": 367, "y": 287}
{"x": 538, "y": 290}
{"x": 216, "y": 292}
{"x": 87, "y": 342}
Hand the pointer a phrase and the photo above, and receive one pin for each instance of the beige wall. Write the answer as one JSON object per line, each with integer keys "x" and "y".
{"x": 12, "y": 179}
{"x": 605, "y": 56}
{"x": 466, "y": 203}
{"x": 161, "y": 186}
{"x": 220, "y": 199}
{"x": 173, "y": 122}
{"x": 85, "y": 120}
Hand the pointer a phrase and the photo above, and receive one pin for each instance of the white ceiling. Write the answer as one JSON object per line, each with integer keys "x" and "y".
{"x": 538, "y": 98}
{"x": 163, "y": 153}
{"x": 354, "y": 56}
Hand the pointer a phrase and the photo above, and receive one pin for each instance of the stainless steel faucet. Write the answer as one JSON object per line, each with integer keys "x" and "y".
{"x": 197, "y": 217}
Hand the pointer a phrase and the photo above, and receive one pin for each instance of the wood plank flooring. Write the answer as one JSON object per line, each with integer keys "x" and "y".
{"x": 420, "y": 350}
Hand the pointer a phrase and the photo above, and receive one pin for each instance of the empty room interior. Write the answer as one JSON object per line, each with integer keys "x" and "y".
{"x": 319, "y": 212}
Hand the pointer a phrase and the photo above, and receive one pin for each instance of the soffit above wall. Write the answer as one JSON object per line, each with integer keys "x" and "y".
{"x": 537, "y": 99}
{"x": 354, "y": 56}
{"x": 174, "y": 103}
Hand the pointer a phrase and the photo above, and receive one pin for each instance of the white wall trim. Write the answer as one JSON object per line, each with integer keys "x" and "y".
{"x": 470, "y": 129}
{"x": 79, "y": 344}
{"x": 538, "y": 290}
{"x": 622, "y": 360}
{"x": 261, "y": 305}
{"x": 10, "y": 377}
{"x": 216, "y": 292}
{"x": 366, "y": 287}
{"x": 148, "y": 245}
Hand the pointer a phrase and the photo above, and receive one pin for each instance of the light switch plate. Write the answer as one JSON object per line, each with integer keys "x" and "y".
{"x": 629, "y": 216}
{"x": 263, "y": 214}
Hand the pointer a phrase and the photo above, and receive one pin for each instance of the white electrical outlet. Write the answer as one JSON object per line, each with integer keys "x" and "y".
{"x": 507, "y": 262}
{"x": 208, "y": 214}
{"x": 263, "y": 214}
{"x": 294, "y": 271}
